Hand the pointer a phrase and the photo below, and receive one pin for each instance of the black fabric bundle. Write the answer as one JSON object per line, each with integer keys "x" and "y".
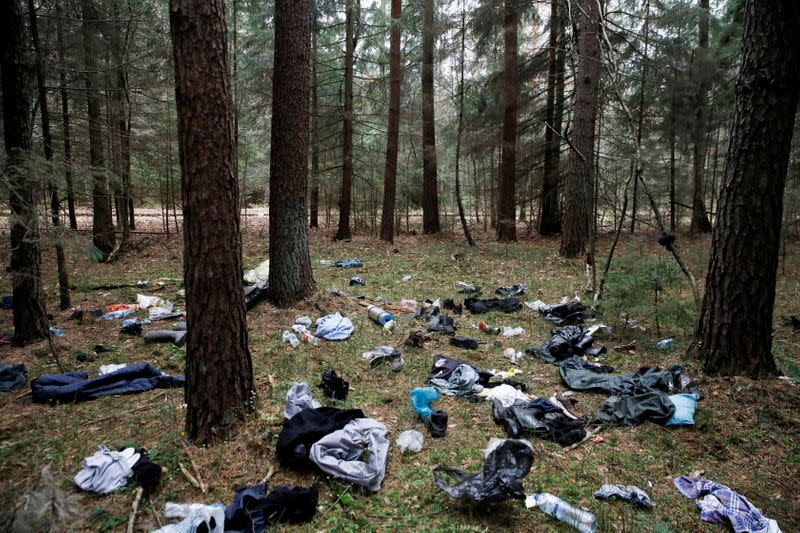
{"x": 307, "y": 427}
{"x": 506, "y": 305}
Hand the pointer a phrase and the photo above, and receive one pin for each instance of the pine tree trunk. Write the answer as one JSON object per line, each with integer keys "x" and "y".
{"x": 120, "y": 129}
{"x": 62, "y": 76}
{"x": 290, "y": 276}
{"x": 640, "y": 119}
{"x": 346, "y": 193}
{"x": 702, "y": 63}
{"x": 507, "y": 220}
{"x": 393, "y": 135}
{"x": 55, "y": 203}
{"x": 430, "y": 187}
{"x": 576, "y": 223}
{"x": 30, "y": 317}
{"x": 314, "y": 217}
{"x": 459, "y": 202}
{"x": 103, "y": 235}
{"x": 734, "y": 331}
{"x": 219, "y": 372}
{"x": 550, "y": 218}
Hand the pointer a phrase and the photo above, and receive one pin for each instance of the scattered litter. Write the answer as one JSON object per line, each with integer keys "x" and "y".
{"x": 512, "y": 332}
{"x": 253, "y": 509}
{"x": 357, "y": 281}
{"x": 599, "y": 439}
{"x": 417, "y": 339}
{"x": 326, "y": 262}
{"x": 290, "y": 338}
{"x": 196, "y": 517}
{"x": 379, "y": 316}
{"x": 144, "y": 301}
{"x": 305, "y": 334}
{"x": 108, "y": 369}
{"x": 450, "y": 305}
{"x": 437, "y": 424}
{"x": 178, "y": 338}
{"x": 77, "y": 387}
{"x": 7, "y": 302}
{"x": 477, "y": 307}
{"x": 486, "y": 328}
{"x": 464, "y": 342}
{"x": 410, "y": 440}
{"x": 627, "y": 493}
{"x": 115, "y": 315}
{"x": 106, "y": 471}
{"x": 340, "y": 453}
{"x": 565, "y": 313}
{"x": 162, "y": 310}
{"x": 685, "y": 406}
{"x": 581, "y": 519}
{"x": 505, "y": 394}
{"x": 408, "y": 304}
{"x": 303, "y": 321}
{"x": 77, "y": 314}
{"x": 564, "y": 343}
{"x": 133, "y": 326}
{"x": 517, "y": 290}
{"x": 45, "y": 507}
{"x": 349, "y": 263}
{"x": 56, "y": 332}
{"x": 384, "y": 354}
{"x": 512, "y": 355}
{"x": 333, "y": 386}
{"x": 334, "y": 327}
{"x": 468, "y": 289}
{"x": 441, "y": 324}
{"x": 260, "y": 272}
{"x": 84, "y": 358}
{"x": 500, "y": 479}
{"x": 406, "y": 278}
{"x": 99, "y": 348}
{"x": 255, "y": 293}
{"x": 307, "y": 427}
{"x": 421, "y": 400}
{"x": 721, "y": 505}
{"x": 538, "y": 417}
{"x": 665, "y": 344}
{"x": 298, "y": 398}
{"x": 454, "y": 377}
{"x": 12, "y": 376}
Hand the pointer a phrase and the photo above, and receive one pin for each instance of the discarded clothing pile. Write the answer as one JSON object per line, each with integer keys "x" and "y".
{"x": 454, "y": 377}
{"x": 441, "y": 324}
{"x": 256, "y": 282}
{"x": 44, "y": 507}
{"x": 627, "y": 493}
{"x": 637, "y": 397}
{"x": 422, "y": 399}
{"x": 106, "y": 471}
{"x": 384, "y": 355}
{"x": 334, "y": 327}
{"x": 566, "y": 342}
{"x": 349, "y": 263}
{"x": 77, "y": 387}
{"x": 538, "y": 417}
{"x": 12, "y": 376}
{"x": 721, "y": 505}
{"x": 564, "y": 313}
{"x": 507, "y": 461}
{"x": 506, "y": 305}
{"x": 517, "y": 290}
{"x": 334, "y": 440}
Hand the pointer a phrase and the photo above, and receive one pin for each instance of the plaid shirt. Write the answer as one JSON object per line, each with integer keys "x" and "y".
{"x": 721, "y": 505}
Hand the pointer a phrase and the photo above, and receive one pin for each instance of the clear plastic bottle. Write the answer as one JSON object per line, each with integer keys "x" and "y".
{"x": 379, "y": 316}
{"x": 581, "y": 519}
{"x": 290, "y": 338}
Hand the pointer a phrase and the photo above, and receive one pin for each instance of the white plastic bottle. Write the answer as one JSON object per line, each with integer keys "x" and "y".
{"x": 581, "y": 519}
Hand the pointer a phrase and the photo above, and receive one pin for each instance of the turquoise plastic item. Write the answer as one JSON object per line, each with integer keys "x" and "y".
{"x": 685, "y": 406}
{"x": 421, "y": 399}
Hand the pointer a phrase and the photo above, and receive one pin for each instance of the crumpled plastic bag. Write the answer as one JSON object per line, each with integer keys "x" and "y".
{"x": 421, "y": 399}
{"x": 298, "y": 398}
{"x": 410, "y": 440}
{"x": 334, "y": 386}
{"x": 500, "y": 479}
{"x": 45, "y": 508}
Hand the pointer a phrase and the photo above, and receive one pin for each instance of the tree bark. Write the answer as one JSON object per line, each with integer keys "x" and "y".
{"x": 459, "y": 201}
{"x": 62, "y": 75}
{"x": 219, "y": 371}
{"x": 576, "y": 220}
{"x": 55, "y": 203}
{"x": 120, "y": 124}
{"x": 393, "y": 134}
{"x": 290, "y": 276}
{"x": 430, "y": 187}
{"x": 701, "y": 66}
{"x": 507, "y": 220}
{"x": 314, "y": 217}
{"x": 550, "y": 218}
{"x": 103, "y": 235}
{"x": 346, "y": 193}
{"x": 640, "y": 119}
{"x": 734, "y": 331}
{"x": 30, "y": 317}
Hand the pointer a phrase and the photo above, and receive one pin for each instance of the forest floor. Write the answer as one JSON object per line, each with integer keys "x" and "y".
{"x": 746, "y": 434}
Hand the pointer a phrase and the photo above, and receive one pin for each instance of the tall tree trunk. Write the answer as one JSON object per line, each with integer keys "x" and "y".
{"x": 62, "y": 76}
{"x": 430, "y": 187}
{"x": 550, "y": 218}
{"x": 459, "y": 202}
{"x": 731, "y": 338}
{"x": 640, "y": 119}
{"x": 55, "y": 203}
{"x": 103, "y": 235}
{"x": 393, "y": 135}
{"x": 672, "y": 140}
{"x": 346, "y": 193}
{"x": 576, "y": 220}
{"x": 701, "y": 66}
{"x": 507, "y": 220}
{"x": 120, "y": 114}
{"x": 290, "y": 276}
{"x": 219, "y": 371}
{"x": 314, "y": 222}
{"x": 30, "y": 318}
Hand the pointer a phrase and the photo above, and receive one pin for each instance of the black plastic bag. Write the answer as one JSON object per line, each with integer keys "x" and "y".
{"x": 333, "y": 386}
{"x": 437, "y": 424}
{"x": 477, "y": 307}
{"x": 500, "y": 479}
{"x": 464, "y": 342}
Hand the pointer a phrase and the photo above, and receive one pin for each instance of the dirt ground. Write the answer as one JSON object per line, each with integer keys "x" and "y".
{"x": 746, "y": 432}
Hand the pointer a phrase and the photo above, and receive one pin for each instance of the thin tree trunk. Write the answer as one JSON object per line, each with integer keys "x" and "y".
{"x": 550, "y": 217}
{"x": 507, "y": 220}
{"x": 672, "y": 140}
{"x": 461, "y": 215}
{"x": 714, "y": 173}
{"x": 700, "y": 222}
{"x": 642, "y": 83}
{"x": 290, "y": 276}
{"x": 63, "y": 280}
{"x": 345, "y": 195}
{"x": 103, "y": 236}
{"x": 576, "y": 223}
{"x": 314, "y": 222}
{"x": 735, "y": 327}
{"x": 62, "y": 73}
{"x": 393, "y": 134}
{"x": 430, "y": 187}
{"x": 219, "y": 371}
{"x": 120, "y": 112}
